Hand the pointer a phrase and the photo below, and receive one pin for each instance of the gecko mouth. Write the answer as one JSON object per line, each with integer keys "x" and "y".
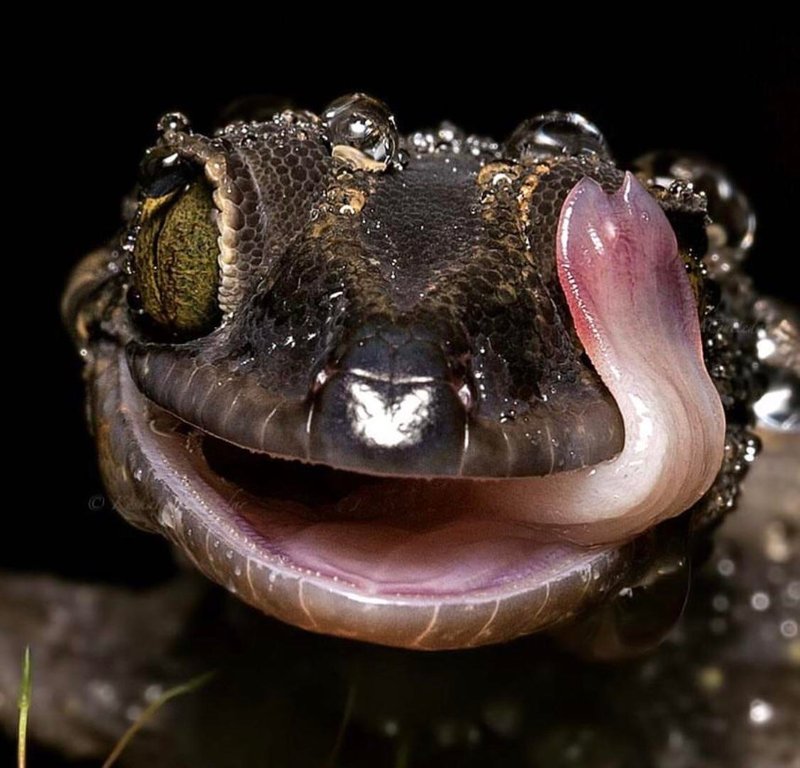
{"x": 442, "y": 563}
{"x": 388, "y": 560}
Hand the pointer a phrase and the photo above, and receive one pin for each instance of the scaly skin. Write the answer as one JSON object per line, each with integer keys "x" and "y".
{"x": 385, "y": 309}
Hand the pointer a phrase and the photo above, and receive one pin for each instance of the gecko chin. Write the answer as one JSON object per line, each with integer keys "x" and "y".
{"x": 443, "y": 562}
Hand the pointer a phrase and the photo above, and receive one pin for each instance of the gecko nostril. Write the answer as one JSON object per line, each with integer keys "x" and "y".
{"x": 399, "y": 354}
{"x": 390, "y": 400}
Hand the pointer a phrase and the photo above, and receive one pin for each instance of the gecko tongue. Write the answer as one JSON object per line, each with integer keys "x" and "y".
{"x": 634, "y": 312}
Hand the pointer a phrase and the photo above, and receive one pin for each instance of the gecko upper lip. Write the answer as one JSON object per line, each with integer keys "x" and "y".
{"x": 384, "y": 407}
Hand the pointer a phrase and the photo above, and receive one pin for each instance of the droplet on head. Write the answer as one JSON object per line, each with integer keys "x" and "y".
{"x": 556, "y": 133}
{"x": 173, "y": 121}
{"x": 733, "y": 223}
{"x": 361, "y": 131}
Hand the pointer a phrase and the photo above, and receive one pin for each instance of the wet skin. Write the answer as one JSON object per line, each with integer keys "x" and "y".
{"x": 375, "y": 386}
{"x": 101, "y": 652}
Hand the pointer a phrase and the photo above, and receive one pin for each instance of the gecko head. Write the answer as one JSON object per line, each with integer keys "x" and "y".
{"x": 426, "y": 393}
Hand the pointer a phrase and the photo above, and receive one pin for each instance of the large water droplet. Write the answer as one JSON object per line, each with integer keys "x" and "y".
{"x": 556, "y": 133}
{"x": 364, "y": 124}
{"x": 779, "y": 406}
{"x": 778, "y": 348}
{"x": 733, "y": 223}
{"x": 173, "y": 121}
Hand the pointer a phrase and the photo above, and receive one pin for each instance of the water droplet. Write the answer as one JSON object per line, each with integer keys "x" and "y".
{"x": 138, "y": 474}
{"x": 779, "y": 406}
{"x": 169, "y": 516}
{"x": 364, "y": 124}
{"x": 733, "y": 224}
{"x": 447, "y": 133}
{"x": 173, "y": 121}
{"x": 422, "y": 142}
{"x": 556, "y": 133}
{"x": 761, "y": 712}
{"x": 465, "y": 396}
{"x": 760, "y": 601}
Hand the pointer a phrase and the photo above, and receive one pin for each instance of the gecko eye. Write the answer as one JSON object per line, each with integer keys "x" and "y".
{"x": 174, "y": 265}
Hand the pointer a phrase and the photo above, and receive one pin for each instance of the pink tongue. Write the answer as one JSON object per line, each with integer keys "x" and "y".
{"x": 633, "y": 309}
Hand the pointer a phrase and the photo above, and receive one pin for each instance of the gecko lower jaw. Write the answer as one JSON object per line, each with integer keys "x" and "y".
{"x": 384, "y": 569}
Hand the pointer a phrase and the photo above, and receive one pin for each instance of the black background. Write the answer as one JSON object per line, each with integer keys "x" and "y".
{"x": 731, "y": 96}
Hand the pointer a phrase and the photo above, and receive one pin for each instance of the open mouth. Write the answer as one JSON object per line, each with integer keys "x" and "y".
{"x": 341, "y": 552}
{"x": 451, "y": 562}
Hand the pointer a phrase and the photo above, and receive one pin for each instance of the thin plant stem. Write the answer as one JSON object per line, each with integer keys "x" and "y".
{"x": 24, "y": 708}
{"x": 150, "y": 710}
